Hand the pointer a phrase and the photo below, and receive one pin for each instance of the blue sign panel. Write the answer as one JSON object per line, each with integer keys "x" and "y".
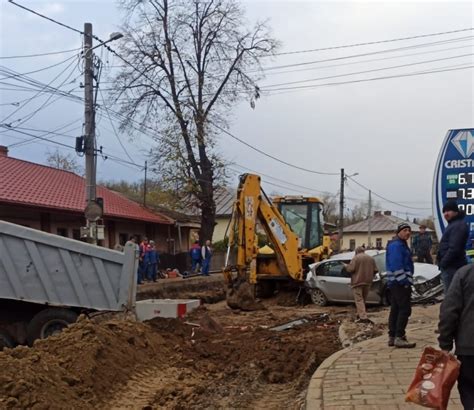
{"x": 454, "y": 178}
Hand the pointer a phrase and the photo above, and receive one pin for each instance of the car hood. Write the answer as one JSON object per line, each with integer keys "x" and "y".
{"x": 425, "y": 271}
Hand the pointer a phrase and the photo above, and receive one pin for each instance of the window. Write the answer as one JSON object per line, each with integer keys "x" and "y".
{"x": 352, "y": 244}
{"x": 378, "y": 243}
{"x": 62, "y": 232}
{"x": 123, "y": 238}
{"x": 333, "y": 269}
{"x": 76, "y": 234}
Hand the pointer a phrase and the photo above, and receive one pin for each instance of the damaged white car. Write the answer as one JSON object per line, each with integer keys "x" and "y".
{"x": 328, "y": 281}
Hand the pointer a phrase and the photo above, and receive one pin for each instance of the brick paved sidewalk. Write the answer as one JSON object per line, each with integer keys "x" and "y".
{"x": 371, "y": 375}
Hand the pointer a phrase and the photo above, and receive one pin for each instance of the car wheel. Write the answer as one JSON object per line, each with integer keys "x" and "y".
{"x": 318, "y": 297}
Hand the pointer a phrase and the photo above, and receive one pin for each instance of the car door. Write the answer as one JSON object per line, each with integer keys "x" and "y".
{"x": 334, "y": 281}
{"x": 378, "y": 285}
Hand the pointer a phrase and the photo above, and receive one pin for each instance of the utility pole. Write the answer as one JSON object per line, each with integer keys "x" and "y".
{"x": 93, "y": 211}
{"x": 144, "y": 185}
{"x": 341, "y": 210}
{"x": 369, "y": 221}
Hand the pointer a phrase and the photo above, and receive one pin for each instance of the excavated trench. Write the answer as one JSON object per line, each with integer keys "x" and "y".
{"x": 214, "y": 358}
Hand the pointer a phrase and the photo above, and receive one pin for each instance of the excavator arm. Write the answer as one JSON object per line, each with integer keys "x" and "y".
{"x": 251, "y": 209}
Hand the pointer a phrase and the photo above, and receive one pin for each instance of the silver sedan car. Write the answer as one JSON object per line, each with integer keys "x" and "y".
{"x": 328, "y": 281}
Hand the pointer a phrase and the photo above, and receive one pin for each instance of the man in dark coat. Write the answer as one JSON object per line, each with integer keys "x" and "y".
{"x": 452, "y": 247}
{"x": 456, "y": 324}
{"x": 422, "y": 244}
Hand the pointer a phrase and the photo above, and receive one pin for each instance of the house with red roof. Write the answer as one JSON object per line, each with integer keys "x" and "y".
{"x": 53, "y": 200}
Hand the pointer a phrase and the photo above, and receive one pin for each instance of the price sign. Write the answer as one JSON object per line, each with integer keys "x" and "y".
{"x": 454, "y": 178}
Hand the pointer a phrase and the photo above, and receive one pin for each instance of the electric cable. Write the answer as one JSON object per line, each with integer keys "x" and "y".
{"x": 271, "y": 156}
{"x": 384, "y": 198}
{"x": 41, "y": 54}
{"x": 368, "y": 43}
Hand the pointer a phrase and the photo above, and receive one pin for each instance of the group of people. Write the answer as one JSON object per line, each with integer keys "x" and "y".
{"x": 201, "y": 257}
{"x": 456, "y": 321}
{"x": 148, "y": 259}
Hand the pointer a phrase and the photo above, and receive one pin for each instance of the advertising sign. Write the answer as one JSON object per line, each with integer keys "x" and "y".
{"x": 454, "y": 178}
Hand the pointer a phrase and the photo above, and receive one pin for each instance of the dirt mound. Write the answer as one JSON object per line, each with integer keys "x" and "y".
{"x": 78, "y": 367}
{"x": 215, "y": 358}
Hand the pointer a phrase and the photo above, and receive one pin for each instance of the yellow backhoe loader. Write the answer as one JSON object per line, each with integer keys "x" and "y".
{"x": 294, "y": 230}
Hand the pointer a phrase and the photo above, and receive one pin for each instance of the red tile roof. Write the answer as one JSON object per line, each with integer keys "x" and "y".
{"x": 27, "y": 183}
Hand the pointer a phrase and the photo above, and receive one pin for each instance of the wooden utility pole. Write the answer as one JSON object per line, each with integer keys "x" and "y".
{"x": 341, "y": 210}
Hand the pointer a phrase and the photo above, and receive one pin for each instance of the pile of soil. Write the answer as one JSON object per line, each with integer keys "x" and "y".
{"x": 76, "y": 367}
{"x": 214, "y": 358}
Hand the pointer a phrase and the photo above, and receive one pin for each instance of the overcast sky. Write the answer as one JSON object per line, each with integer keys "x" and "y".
{"x": 388, "y": 131}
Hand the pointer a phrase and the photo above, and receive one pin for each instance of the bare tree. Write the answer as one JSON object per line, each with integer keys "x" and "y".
{"x": 66, "y": 162}
{"x": 330, "y": 210}
{"x": 192, "y": 61}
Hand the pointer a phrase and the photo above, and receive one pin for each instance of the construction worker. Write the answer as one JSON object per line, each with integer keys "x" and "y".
{"x": 195, "y": 253}
{"x": 422, "y": 244}
{"x": 206, "y": 253}
{"x": 400, "y": 270}
{"x": 151, "y": 260}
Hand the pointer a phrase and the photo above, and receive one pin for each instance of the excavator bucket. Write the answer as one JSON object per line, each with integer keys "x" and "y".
{"x": 241, "y": 295}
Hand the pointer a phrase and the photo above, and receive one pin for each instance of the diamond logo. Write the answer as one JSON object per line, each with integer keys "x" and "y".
{"x": 464, "y": 143}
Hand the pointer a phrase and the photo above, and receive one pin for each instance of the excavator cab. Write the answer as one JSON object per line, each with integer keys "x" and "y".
{"x": 304, "y": 216}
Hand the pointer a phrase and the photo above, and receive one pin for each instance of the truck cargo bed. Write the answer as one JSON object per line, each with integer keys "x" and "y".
{"x": 39, "y": 267}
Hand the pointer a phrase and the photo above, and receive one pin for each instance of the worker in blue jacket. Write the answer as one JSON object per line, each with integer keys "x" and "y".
{"x": 152, "y": 258}
{"x": 400, "y": 270}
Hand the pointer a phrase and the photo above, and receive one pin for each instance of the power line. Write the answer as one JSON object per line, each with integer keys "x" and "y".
{"x": 45, "y": 133}
{"x": 368, "y": 79}
{"x": 283, "y": 181}
{"x": 384, "y": 198}
{"x": 40, "y": 69}
{"x": 373, "y": 42}
{"x": 271, "y": 156}
{"x": 45, "y": 17}
{"x": 41, "y": 55}
{"x": 39, "y": 92}
{"x": 367, "y": 71}
{"x": 37, "y": 136}
{"x": 390, "y": 50}
{"x": 113, "y": 127}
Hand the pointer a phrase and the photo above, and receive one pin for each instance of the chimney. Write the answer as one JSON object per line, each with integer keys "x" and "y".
{"x": 3, "y": 151}
{"x": 388, "y": 213}
{"x": 378, "y": 213}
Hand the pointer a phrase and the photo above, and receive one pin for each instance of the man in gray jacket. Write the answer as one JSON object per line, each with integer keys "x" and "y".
{"x": 456, "y": 324}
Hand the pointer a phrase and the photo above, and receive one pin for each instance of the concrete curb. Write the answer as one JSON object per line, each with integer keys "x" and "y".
{"x": 314, "y": 394}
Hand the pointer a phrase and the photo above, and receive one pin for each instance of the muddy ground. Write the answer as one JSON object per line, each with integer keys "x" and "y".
{"x": 214, "y": 358}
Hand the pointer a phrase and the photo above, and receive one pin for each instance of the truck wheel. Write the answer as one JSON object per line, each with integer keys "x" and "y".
{"x": 5, "y": 340}
{"x": 318, "y": 297}
{"x": 49, "y": 322}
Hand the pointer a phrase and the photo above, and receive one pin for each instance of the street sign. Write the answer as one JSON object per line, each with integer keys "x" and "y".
{"x": 454, "y": 178}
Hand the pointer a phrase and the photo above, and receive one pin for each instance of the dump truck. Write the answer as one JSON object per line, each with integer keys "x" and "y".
{"x": 47, "y": 281}
{"x": 294, "y": 229}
